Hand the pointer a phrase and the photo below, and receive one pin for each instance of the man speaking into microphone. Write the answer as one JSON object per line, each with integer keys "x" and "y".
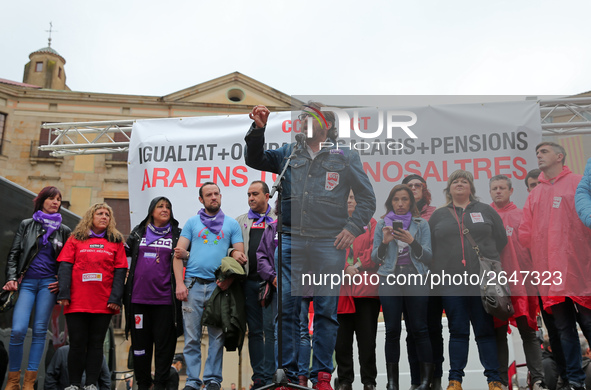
{"x": 316, "y": 222}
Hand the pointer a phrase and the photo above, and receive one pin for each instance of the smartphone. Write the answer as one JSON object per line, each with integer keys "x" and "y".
{"x": 396, "y": 225}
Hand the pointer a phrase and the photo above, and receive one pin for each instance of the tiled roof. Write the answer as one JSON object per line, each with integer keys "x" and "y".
{"x": 48, "y": 50}
{"x": 10, "y": 82}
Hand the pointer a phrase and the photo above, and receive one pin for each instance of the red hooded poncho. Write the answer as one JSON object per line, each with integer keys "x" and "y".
{"x": 558, "y": 241}
{"x": 516, "y": 258}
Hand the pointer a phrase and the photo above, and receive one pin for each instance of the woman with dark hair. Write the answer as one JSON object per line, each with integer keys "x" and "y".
{"x": 31, "y": 268}
{"x": 453, "y": 255}
{"x": 402, "y": 248}
{"x": 422, "y": 195}
{"x": 152, "y": 313}
{"x": 91, "y": 276}
{"x": 358, "y": 311}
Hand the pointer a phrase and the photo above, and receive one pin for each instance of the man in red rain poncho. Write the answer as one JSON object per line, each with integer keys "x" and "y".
{"x": 560, "y": 247}
{"x": 524, "y": 296}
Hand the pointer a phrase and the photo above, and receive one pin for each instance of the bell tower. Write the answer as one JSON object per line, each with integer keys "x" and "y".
{"x": 46, "y": 68}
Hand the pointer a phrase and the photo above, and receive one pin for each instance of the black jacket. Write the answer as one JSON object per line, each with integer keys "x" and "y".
{"x": 25, "y": 245}
{"x": 57, "y": 377}
{"x": 485, "y": 226}
{"x": 132, "y": 249}
{"x": 173, "y": 380}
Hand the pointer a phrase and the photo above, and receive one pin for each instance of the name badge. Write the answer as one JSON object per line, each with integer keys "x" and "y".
{"x": 509, "y": 230}
{"x": 476, "y": 217}
{"x": 92, "y": 277}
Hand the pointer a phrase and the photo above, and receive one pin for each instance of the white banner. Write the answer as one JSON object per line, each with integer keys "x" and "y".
{"x": 174, "y": 157}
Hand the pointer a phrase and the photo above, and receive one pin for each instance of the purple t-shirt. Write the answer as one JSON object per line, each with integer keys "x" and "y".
{"x": 44, "y": 264}
{"x": 152, "y": 279}
{"x": 403, "y": 255}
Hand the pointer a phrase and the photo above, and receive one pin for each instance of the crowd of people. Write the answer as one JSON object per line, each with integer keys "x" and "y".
{"x": 223, "y": 273}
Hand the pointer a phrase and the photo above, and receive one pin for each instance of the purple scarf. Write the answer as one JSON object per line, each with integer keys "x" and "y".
{"x": 50, "y": 222}
{"x": 92, "y": 234}
{"x": 260, "y": 217}
{"x": 154, "y": 233}
{"x": 215, "y": 223}
{"x": 405, "y": 218}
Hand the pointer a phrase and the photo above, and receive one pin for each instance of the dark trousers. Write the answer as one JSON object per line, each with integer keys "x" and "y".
{"x": 261, "y": 334}
{"x": 364, "y": 324}
{"x": 554, "y": 339}
{"x": 434, "y": 313}
{"x": 531, "y": 348}
{"x": 393, "y": 297}
{"x": 153, "y": 330}
{"x": 87, "y": 334}
{"x": 566, "y": 315}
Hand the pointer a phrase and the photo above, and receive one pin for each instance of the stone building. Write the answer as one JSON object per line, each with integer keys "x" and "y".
{"x": 44, "y": 97}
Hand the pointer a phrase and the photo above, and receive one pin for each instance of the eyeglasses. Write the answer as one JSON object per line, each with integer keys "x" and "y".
{"x": 415, "y": 185}
{"x": 303, "y": 116}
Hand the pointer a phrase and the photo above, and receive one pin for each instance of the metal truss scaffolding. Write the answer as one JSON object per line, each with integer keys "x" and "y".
{"x": 560, "y": 117}
{"x": 77, "y": 138}
{"x": 566, "y": 116}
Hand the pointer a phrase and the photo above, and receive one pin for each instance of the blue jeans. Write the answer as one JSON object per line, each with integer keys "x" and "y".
{"x": 320, "y": 256}
{"x": 305, "y": 340}
{"x": 192, "y": 313}
{"x": 31, "y": 292}
{"x": 261, "y": 334}
{"x": 461, "y": 311}
{"x": 566, "y": 315}
{"x": 393, "y": 298}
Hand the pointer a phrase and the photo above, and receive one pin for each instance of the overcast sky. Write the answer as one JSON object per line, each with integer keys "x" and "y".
{"x": 147, "y": 47}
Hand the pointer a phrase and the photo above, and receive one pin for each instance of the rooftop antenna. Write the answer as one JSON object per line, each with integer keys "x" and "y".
{"x": 50, "y": 31}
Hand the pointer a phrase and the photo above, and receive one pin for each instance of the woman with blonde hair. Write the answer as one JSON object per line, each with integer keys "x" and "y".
{"x": 453, "y": 255}
{"x": 91, "y": 276}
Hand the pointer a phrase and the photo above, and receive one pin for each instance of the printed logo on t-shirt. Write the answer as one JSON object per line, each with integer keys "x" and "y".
{"x": 96, "y": 246}
{"x": 139, "y": 321}
{"x": 92, "y": 277}
{"x": 258, "y": 225}
{"x": 139, "y": 352}
{"x": 476, "y": 217}
{"x": 509, "y": 231}
{"x": 556, "y": 203}
{"x": 159, "y": 243}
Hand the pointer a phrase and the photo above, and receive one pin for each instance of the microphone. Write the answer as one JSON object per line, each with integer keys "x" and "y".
{"x": 301, "y": 141}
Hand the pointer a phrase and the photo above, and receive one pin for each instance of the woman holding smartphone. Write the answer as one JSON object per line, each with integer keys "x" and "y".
{"x": 402, "y": 248}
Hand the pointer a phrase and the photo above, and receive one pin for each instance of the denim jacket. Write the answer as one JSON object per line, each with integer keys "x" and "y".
{"x": 315, "y": 191}
{"x": 419, "y": 229}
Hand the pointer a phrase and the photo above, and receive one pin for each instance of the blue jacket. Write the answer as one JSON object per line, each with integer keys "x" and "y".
{"x": 419, "y": 229}
{"x": 583, "y": 196}
{"x": 315, "y": 191}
